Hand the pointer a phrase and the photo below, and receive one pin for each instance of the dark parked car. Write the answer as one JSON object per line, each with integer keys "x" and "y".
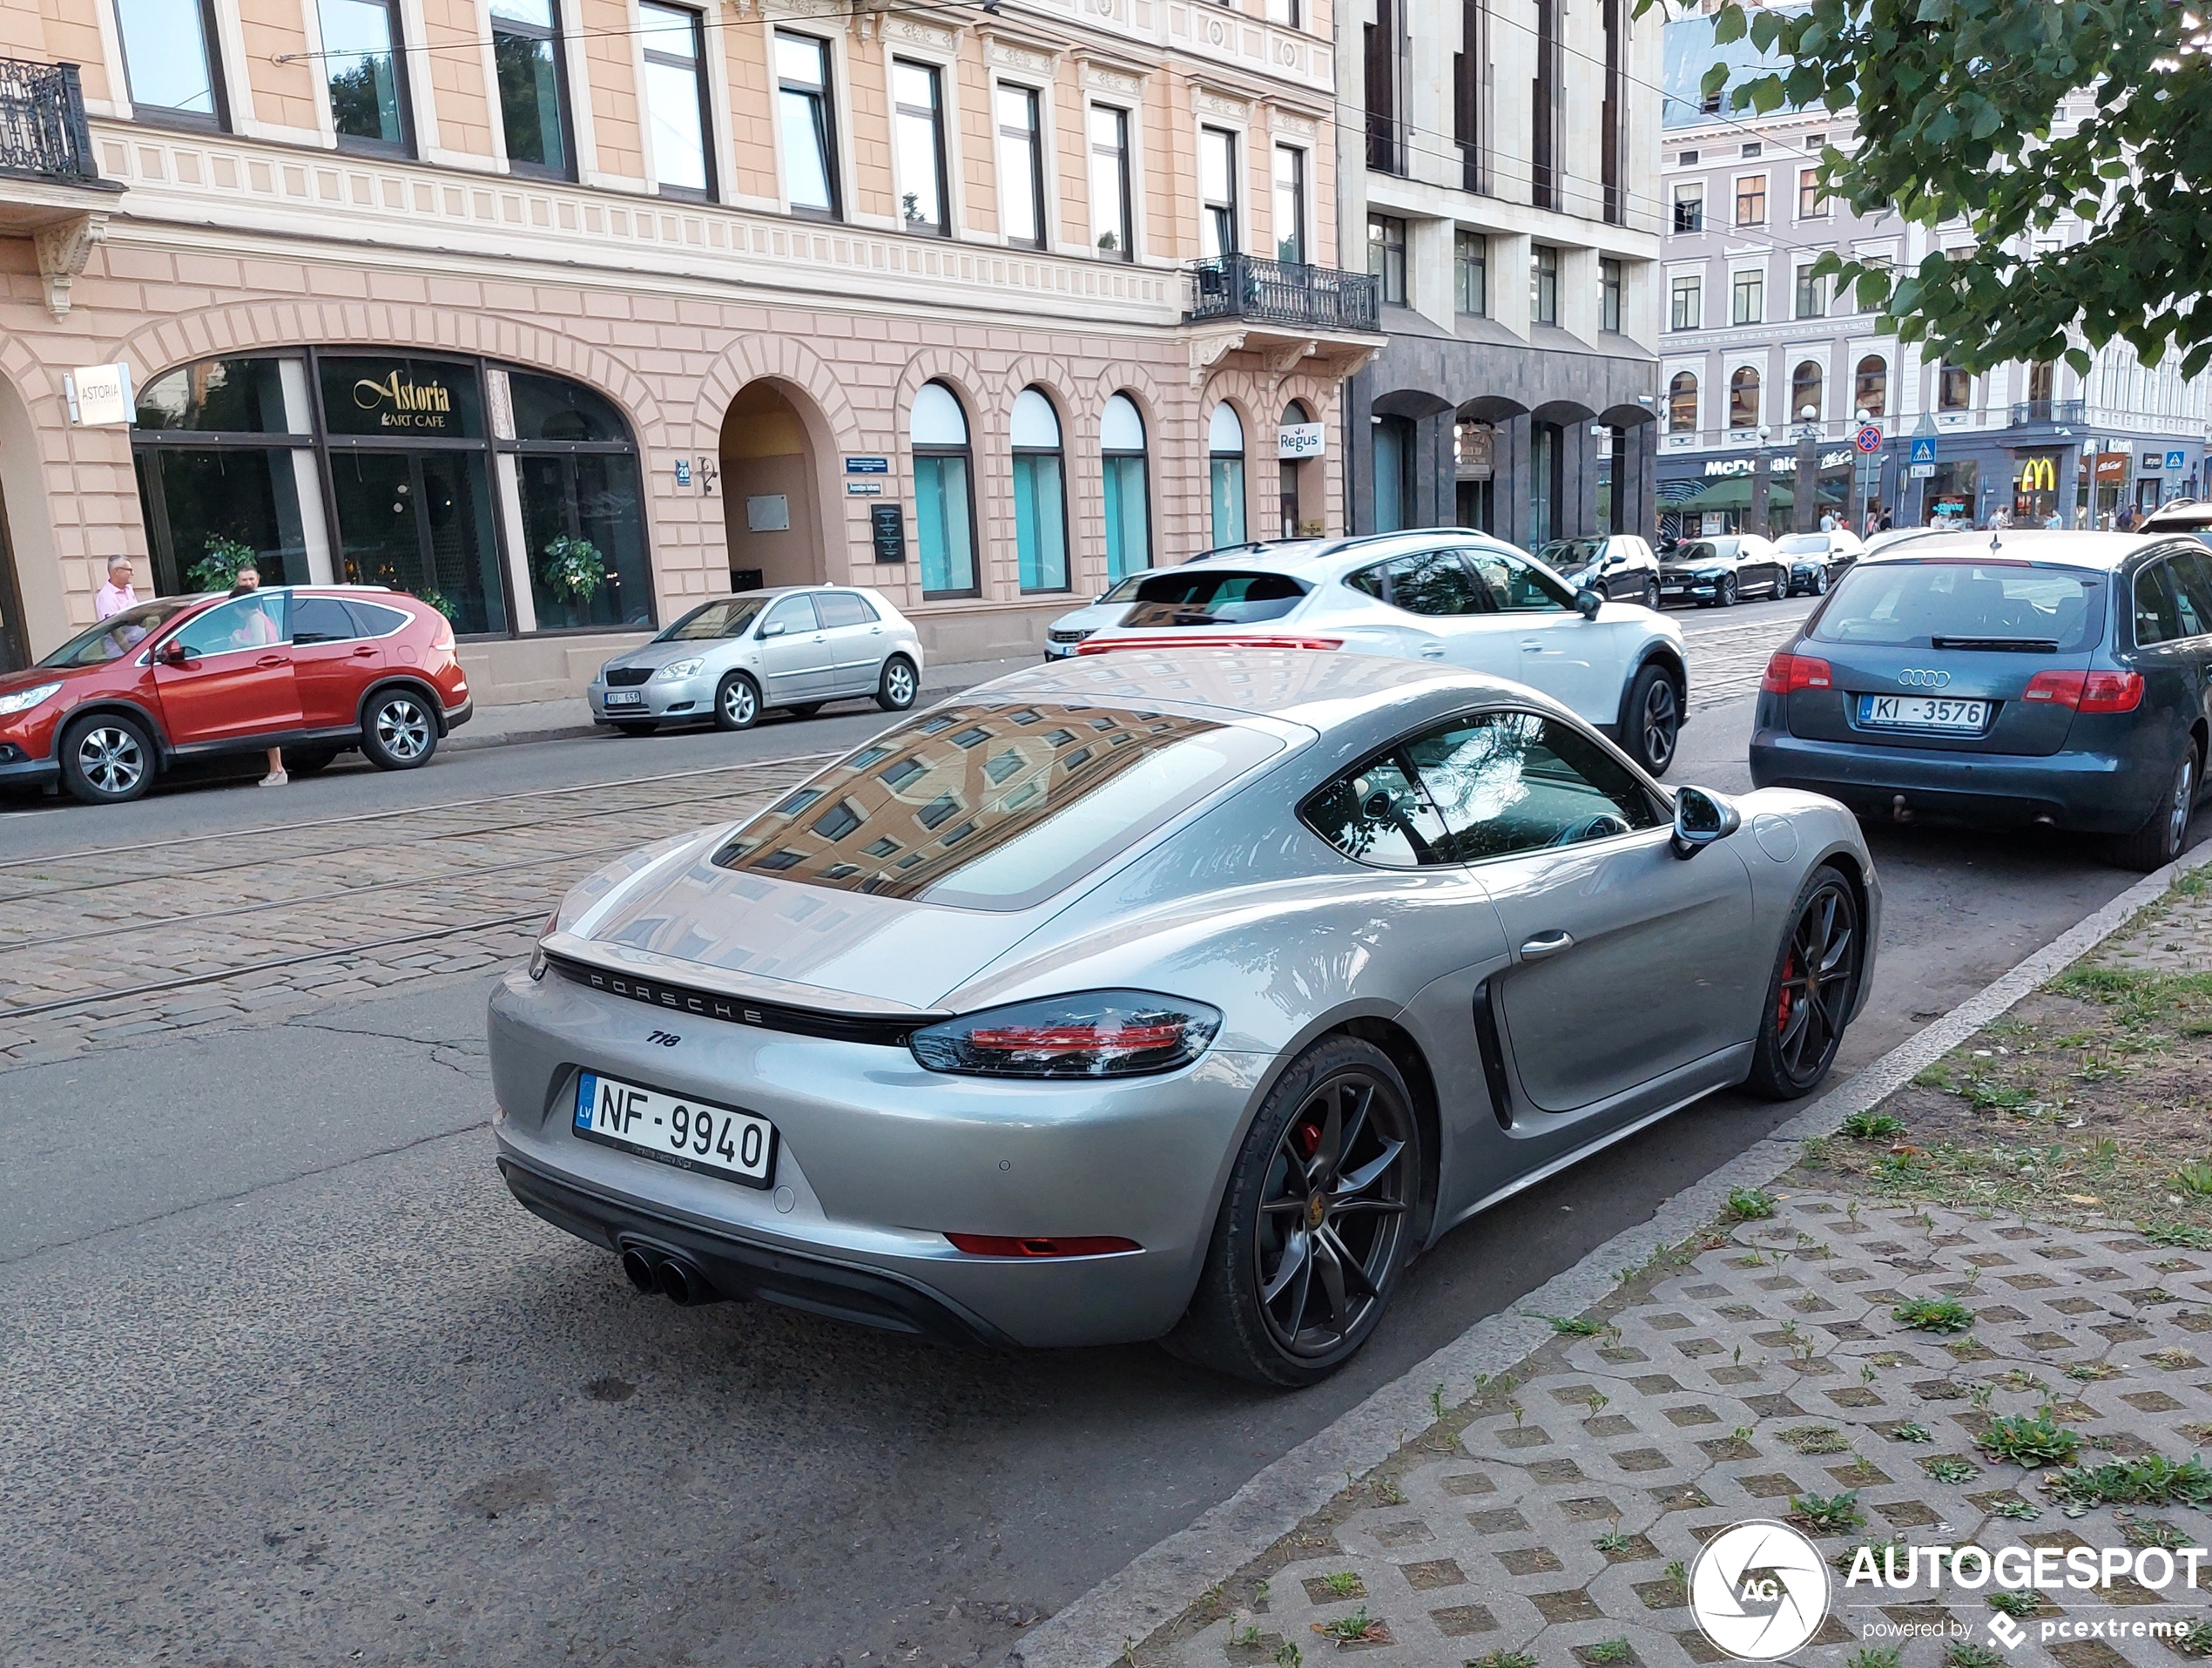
{"x": 1817, "y": 560}
{"x": 1719, "y": 572}
{"x": 1620, "y": 566}
{"x": 2058, "y": 677}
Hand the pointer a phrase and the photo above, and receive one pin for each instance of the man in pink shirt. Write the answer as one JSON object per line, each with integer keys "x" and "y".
{"x": 115, "y": 594}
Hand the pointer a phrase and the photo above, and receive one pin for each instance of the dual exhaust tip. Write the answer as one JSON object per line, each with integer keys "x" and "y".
{"x": 678, "y": 1279}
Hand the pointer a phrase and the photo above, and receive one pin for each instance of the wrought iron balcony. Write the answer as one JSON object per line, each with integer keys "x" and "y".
{"x": 1278, "y": 292}
{"x": 2054, "y": 411}
{"x": 42, "y": 122}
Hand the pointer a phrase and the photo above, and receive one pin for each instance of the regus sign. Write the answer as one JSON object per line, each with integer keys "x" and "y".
{"x": 1297, "y": 440}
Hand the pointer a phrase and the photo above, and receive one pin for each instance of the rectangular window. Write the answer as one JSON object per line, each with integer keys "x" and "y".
{"x": 526, "y": 52}
{"x": 1750, "y": 299}
{"x": 169, "y": 61}
{"x": 1689, "y": 304}
{"x": 1812, "y": 294}
{"x": 364, "y": 70}
{"x": 1543, "y": 284}
{"x": 1379, "y": 47}
{"x": 1470, "y": 114}
{"x": 803, "y": 121}
{"x": 1216, "y": 192}
{"x": 1284, "y": 12}
{"x": 1386, "y": 255}
{"x": 1290, "y": 206}
{"x": 674, "y": 40}
{"x": 1954, "y": 388}
{"x": 1811, "y": 205}
{"x": 1689, "y": 207}
{"x": 1470, "y": 273}
{"x": 918, "y": 132}
{"x": 1750, "y": 200}
{"x": 1753, "y": 148}
{"x": 1879, "y": 266}
{"x": 1110, "y": 183}
{"x": 1021, "y": 166}
{"x": 1544, "y": 113}
{"x": 1609, "y": 295}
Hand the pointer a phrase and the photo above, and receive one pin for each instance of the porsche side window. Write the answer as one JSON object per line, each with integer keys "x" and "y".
{"x": 1515, "y": 587}
{"x": 1506, "y": 783}
{"x": 1376, "y": 815}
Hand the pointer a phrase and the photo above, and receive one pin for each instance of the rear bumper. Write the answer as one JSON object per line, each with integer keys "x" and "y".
{"x": 457, "y": 716}
{"x": 2091, "y": 793}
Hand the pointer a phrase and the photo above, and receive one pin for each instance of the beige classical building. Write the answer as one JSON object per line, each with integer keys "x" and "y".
{"x": 568, "y": 313}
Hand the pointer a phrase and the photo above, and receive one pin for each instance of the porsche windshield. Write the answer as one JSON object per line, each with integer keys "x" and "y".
{"x": 994, "y": 806}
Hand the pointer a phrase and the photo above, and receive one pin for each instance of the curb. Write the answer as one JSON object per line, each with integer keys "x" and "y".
{"x": 1095, "y": 1630}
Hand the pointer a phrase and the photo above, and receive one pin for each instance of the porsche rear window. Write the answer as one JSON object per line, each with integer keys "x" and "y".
{"x": 989, "y": 807}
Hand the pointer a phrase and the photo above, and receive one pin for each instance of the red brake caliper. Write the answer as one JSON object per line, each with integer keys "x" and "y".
{"x": 1782, "y": 1008}
{"x": 1309, "y": 1137}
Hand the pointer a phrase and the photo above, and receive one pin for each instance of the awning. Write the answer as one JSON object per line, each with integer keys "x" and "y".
{"x": 1734, "y": 493}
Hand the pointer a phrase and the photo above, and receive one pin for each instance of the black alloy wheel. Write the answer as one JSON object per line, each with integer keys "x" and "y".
{"x": 1316, "y": 1223}
{"x": 1728, "y": 590}
{"x": 1820, "y": 582}
{"x": 1809, "y": 998}
{"x": 1654, "y": 720}
{"x": 1651, "y": 594}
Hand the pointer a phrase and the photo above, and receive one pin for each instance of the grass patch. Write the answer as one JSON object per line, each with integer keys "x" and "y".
{"x": 1607, "y": 1651}
{"x": 2153, "y": 1479}
{"x": 1911, "y": 1431}
{"x": 1934, "y": 1314}
{"x": 1344, "y": 1584}
{"x": 1873, "y": 1126}
{"x": 1751, "y": 1204}
{"x": 2195, "y": 1179}
{"x": 1504, "y": 1659}
{"x": 1828, "y": 1514}
{"x": 2029, "y": 1439}
{"x": 1965, "y": 1653}
{"x": 2017, "y": 1604}
{"x": 1948, "y": 1467}
{"x": 1575, "y": 1326}
{"x": 1817, "y": 1438}
{"x": 1358, "y": 1628}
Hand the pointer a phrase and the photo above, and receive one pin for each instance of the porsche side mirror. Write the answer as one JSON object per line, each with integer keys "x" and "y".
{"x": 1702, "y": 818}
{"x": 1588, "y": 602}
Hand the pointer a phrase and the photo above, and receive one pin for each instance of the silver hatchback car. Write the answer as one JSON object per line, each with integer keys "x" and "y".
{"x": 1183, "y": 996}
{"x": 733, "y": 658}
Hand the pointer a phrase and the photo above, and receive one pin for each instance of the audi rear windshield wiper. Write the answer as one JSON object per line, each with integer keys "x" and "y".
{"x": 2016, "y": 644}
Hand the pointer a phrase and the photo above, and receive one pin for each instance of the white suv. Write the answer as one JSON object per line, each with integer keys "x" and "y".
{"x": 1440, "y": 594}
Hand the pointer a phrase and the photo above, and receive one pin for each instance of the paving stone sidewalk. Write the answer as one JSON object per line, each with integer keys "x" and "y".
{"x": 1763, "y": 1370}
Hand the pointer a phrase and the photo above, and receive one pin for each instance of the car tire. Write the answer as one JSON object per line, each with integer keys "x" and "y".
{"x": 896, "y": 690}
{"x": 637, "y": 727}
{"x": 1651, "y": 594}
{"x": 1801, "y": 1023}
{"x": 2165, "y": 833}
{"x": 1651, "y": 719}
{"x": 803, "y": 709}
{"x": 1726, "y": 595}
{"x": 399, "y": 730}
{"x": 1820, "y": 582}
{"x": 1265, "y": 1234}
{"x": 737, "y": 703}
{"x": 306, "y": 761}
{"x": 106, "y": 759}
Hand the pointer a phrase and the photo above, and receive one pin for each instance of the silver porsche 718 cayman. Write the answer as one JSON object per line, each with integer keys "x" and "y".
{"x": 1183, "y": 994}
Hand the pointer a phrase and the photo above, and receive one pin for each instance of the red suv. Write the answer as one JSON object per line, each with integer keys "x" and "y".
{"x": 315, "y": 671}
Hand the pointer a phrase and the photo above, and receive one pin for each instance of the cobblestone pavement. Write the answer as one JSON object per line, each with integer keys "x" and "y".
{"x": 101, "y": 948}
{"x": 1727, "y": 661}
{"x": 1765, "y": 1373}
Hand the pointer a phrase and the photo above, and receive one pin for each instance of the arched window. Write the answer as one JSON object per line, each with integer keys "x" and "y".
{"x": 578, "y": 474}
{"x": 1804, "y": 392}
{"x": 1681, "y": 404}
{"x": 1954, "y": 387}
{"x": 1040, "y": 495}
{"x": 1743, "y": 399}
{"x": 1871, "y": 387}
{"x": 1225, "y": 454}
{"x": 944, "y": 502}
{"x": 1129, "y": 511}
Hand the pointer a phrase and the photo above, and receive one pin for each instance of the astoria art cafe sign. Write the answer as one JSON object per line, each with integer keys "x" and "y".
{"x": 400, "y": 402}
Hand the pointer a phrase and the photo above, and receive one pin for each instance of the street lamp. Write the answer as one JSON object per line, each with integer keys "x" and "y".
{"x": 1804, "y": 499}
{"x": 1762, "y": 506}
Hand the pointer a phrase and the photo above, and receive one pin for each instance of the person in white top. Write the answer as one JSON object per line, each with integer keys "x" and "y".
{"x": 115, "y": 594}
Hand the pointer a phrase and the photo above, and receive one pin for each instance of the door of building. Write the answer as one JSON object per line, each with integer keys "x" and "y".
{"x": 15, "y": 641}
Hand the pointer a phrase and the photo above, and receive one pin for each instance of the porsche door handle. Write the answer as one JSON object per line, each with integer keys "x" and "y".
{"x": 1545, "y": 944}
{"x": 1432, "y": 652}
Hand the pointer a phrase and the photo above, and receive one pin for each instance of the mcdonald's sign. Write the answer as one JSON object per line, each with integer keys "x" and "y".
{"x": 2038, "y": 475}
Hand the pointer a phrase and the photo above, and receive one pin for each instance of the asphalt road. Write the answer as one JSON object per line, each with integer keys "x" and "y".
{"x": 315, "y": 1390}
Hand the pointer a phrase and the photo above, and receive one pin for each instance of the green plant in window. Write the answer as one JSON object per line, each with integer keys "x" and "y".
{"x": 218, "y": 569}
{"x": 442, "y": 603}
{"x": 573, "y": 568}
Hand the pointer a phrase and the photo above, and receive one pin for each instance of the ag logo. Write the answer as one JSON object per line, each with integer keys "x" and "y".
{"x": 1759, "y": 1590}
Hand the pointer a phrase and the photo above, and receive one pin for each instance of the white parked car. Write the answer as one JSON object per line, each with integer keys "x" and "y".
{"x": 1440, "y": 594}
{"x": 1071, "y": 628}
{"x": 732, "y": 659}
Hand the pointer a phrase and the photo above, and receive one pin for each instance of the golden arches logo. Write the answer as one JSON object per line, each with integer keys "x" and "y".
{"x": 2038, "y": 475}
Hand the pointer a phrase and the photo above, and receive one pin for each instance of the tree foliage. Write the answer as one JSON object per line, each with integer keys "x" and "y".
{"x": 2069, "y": 233}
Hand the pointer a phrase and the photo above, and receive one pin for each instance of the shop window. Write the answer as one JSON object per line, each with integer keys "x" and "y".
{"x": 533, "y": 85}
{"x": 1040, "y": 495}
{"x": 1129, "y": 517}
{"x": 210, "y": 510}
{"x": 421, "y": 520}
{"x": 674, "y": 41}
{"x": 365, "y": 71}
{"x": 1021, "y": 166}
{"x": 803, "y": 121}
{"x": 169, "y": 62}
{"x": 1743, "y": 399}
{"x": 1804, "y": 392}
{"x": 917, "y": 132}
{"x": 225, "y": 396}
{"x": 583, "y": 527}
{"x": 944, "y": 496}
{"x": 1225, "y": 461}
{"x": 399, "y": 398}
{"x": 1286, "y": 473}
{"x": 1871, "y": 385}
{"x": 1681, "y": 404}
